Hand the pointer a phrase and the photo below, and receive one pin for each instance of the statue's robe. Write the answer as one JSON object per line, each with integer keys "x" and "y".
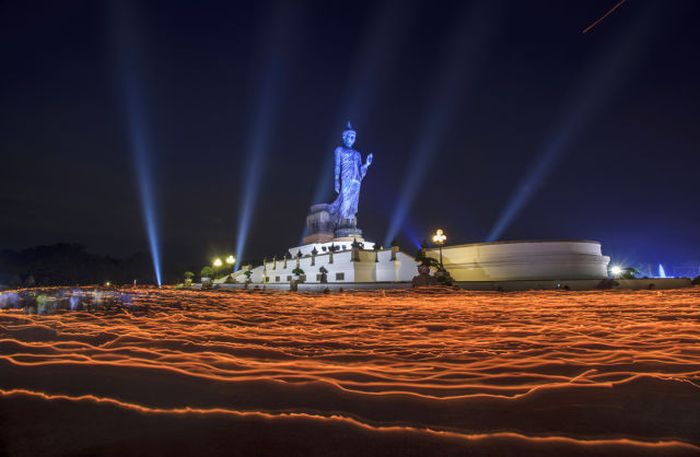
{"x": 350, "y": 171}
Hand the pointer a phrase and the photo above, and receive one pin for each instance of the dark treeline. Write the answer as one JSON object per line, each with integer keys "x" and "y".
{"x": 69, "y": 264}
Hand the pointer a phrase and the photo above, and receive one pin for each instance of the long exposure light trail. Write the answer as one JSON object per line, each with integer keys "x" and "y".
{"x": 472, "y": 364}
{"x": 604, "y": 16}
{"x": 662, "y": 445}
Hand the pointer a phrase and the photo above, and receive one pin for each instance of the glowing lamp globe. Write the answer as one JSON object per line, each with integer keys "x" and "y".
{"x": 616, "y": 270}
{"x": 439, "y": 237}
{"x": 230, "y": 260}
{"x": 218, "y": 262}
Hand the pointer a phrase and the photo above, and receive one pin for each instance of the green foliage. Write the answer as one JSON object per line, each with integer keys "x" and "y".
{"x": 207, "y": 272}
{"x": 298, "y": 271}
{"x": 189, "y": 275}
{"x": 429, "y": 261}
{"x": 696, "y": 281}
{"x": 629, "y": 273}
{"x": 221, "y": 273}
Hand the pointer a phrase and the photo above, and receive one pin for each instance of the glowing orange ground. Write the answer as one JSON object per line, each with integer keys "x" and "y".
{"x": 377, "y": 373}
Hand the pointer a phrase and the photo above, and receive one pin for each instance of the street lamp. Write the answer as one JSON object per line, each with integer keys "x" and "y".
{"x": 230, "y": 260}
{"x": 439, "y": 239}
{"x": 218, "y": 262}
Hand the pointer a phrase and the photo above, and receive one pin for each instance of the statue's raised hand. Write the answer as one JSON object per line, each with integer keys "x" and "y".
{"x": 370, "y": 157}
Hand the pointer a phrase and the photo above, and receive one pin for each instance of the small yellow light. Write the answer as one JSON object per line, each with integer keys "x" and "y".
{"x": 108, "y": 284}
{"x": 439, "y": 237}
{"x": 218, "y": 262}
{"x": 230, "y": 260}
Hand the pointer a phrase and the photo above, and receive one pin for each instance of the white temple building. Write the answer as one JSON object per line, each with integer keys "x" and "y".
{"x": 496, "y": 261}
{"x": 334, "y": 250}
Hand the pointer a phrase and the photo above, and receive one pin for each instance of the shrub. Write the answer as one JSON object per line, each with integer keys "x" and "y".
{"x": 696, "y": 281}
{"x": 207, "y": 272}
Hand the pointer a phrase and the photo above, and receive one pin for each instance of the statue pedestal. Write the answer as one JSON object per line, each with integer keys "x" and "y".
{"x": 320, "y": 225}
{"x": 347, "y": 228}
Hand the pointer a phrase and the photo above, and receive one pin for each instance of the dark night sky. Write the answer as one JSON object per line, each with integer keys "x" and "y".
{"x": 489, "y": 88}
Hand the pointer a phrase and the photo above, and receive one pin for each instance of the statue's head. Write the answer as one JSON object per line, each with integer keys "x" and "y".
{"x": 349, "y": 136}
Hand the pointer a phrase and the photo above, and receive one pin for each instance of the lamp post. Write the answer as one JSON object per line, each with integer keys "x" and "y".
{"x": 230, "y": 261}
{"x": 217, "y": 262}
{"x": 439, "y": 239}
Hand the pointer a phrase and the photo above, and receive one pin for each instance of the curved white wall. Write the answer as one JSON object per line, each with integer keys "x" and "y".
{"x": 521, "y": 260}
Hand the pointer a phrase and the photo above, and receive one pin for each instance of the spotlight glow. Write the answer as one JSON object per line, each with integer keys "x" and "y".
{"x": 589, "y": 95}
{"x": 266, "y": 111}
{"x": 465, "y": 51}
{"x": 135, "y": 111}
{"x": 616, "y": 271}
{"x": 370, "y": 68}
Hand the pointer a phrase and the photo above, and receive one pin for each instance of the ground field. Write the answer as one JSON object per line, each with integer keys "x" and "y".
{"x": 377, "y": 373}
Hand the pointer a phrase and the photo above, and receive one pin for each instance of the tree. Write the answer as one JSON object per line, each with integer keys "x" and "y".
{"x": 207, "y": 272}
{"x": 188, "y": 278}
{"x": 629, "y": 273}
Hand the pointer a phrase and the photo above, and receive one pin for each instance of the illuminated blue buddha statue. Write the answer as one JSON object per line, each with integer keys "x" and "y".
{"x": 349, "y": 172}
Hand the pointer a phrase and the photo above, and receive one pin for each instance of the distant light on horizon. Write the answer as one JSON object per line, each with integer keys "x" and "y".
{"x": 616, "y": 271}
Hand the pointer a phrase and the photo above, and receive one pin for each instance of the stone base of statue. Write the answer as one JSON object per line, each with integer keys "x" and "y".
{"x": 320, "y": 226}
{"x": 347, "y": 228}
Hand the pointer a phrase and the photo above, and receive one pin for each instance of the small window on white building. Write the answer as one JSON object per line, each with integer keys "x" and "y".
{"x": 319, "y": 277}
{"x": 340, "y": 276}
{"x": 277, "y": 279}
{"x": 289, "y": 278}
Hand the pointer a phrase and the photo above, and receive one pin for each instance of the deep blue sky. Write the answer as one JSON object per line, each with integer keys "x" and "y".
{"x": 619, "y": 106}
